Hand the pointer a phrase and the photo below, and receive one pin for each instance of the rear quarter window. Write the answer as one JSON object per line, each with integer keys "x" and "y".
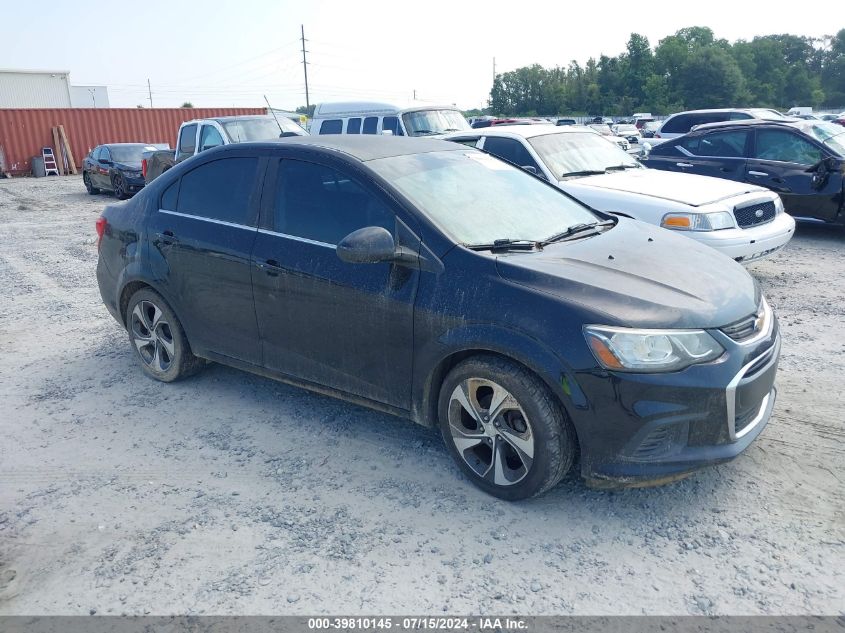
{"x": 676, "y": 125}
{"x": 220, "y": 190}
{"x": 169, "y": 196}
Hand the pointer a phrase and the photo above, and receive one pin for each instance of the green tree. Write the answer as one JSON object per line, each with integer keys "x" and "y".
{"x": 187, "y": 104}
{"x": 711, "y": 79}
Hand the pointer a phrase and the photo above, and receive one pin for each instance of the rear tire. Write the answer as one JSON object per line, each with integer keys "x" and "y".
{"x": 86, "y": 179}
{"x": 504, "y": 428}
{"x": 157, "y": 338}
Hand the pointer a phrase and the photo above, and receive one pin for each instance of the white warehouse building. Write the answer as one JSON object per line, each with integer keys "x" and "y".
{"x": 48, "y": 89}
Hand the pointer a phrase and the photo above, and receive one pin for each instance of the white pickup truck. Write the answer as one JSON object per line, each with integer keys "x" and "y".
{"x": 199, "y": 135}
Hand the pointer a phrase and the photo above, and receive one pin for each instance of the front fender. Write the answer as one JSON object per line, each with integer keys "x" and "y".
{"x": 433, "y": 360}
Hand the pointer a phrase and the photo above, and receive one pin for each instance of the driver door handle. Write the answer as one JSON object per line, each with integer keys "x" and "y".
{"x": 757, "y": 173}
{"x": 684, "y": 164}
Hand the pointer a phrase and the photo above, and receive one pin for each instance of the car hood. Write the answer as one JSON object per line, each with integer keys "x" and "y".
{"x": 639, "y": 275}
{"x": 128, "y": 166}
{"x": 688, "y": 189}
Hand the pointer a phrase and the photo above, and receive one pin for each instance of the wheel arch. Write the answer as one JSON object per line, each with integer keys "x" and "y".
{"x": 511, "y": 346}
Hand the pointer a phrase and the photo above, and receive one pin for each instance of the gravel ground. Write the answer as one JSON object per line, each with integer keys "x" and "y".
{"x": 233, "y": 494}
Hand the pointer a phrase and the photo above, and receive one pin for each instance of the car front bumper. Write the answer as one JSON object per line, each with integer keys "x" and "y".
{"x": 745, "y": 245}
{"x": 647, "y": 429}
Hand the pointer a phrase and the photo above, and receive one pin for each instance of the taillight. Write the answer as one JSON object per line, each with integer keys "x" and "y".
{"x": 144, "y": 168}
{"x": 657, "y": 135}
{"x": 101, "y": 225}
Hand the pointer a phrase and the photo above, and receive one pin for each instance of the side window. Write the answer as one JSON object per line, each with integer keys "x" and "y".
{"x": 677, "y": 125}
{"x": 97, "y": 154}
{"x": 468, "y": 141}
{"x": 740, "y": 116}
{"x": 724, "y": 144}
{"x": 168, "y": 197}
{"x": 187, "y": 141}
{"x": 332, "y": 126}
{"x": 787, "y": 147}
{"x": 353, "y": 126}
{"x": 209, "y": 137}
{"x": 392, "y": 123}
{"x": 510, "y": 150}
{"x": 370, "y": 125}
{"x": 220, "y": 190}
{"x": 105, "y": 154}
{"x": 321, "y": 204}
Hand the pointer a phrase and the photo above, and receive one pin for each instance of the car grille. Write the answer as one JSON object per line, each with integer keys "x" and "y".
{"x": 623, "y": 144}
{"x": 747, "y": 327}
{"x": 754, "y": 214}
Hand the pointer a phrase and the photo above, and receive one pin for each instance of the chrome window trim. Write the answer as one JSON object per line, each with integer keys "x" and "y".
{"x": 730, "y": 392}
{"x": 212, "y": 220}
{"x": 297, "y": 238}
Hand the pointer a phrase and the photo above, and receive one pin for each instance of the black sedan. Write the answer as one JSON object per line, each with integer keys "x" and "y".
{"x": 115, "y": 167}
{"x": 432, "y": 281}
{"x": 803, "y": 161}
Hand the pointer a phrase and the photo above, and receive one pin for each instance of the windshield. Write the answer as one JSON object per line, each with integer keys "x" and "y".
{"x": 768, "y": 115}
{"x": 626, "y": 129}
{"x": 602, "y": 129}
{"x": 578, "y": 152}
{"x": 477, "y": 199}
{"x": 427, "y": 122}
{"x": 263, "y": 129}
{"x": 830, "y": 134}
{"x": 129, "y": 153}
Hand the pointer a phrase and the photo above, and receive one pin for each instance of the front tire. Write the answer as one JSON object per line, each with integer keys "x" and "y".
{"x": 119, "y": 187}
{"x": 504, "y": 429}
{"x": 86, "y": 180}
{"x": 158, "y": 339}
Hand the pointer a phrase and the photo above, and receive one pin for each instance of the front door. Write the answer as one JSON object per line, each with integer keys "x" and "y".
{"x": 720, "y": 154}
{"x": 345, "y": 326}
{"x": 204, "y": 231}
{"x": 798, "y": 170}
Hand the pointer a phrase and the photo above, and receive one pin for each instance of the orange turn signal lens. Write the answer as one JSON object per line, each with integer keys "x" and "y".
{"x": 603, "y": 353}
{"x": 677, "y": 221}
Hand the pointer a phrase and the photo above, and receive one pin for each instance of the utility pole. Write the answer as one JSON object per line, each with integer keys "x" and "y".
{"x": 305, "y": 68}
{"x": 415, "y": 94}
{"x": 150, "y": 92}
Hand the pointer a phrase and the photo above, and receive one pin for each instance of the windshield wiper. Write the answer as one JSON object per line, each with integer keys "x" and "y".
{"x": 505, "y": 244}
{"x": 621, "y": 167}
{"x": 423, "y": 132}
{"x": 583, "y": 172}
{"x": 451, "y": 129}
{"x": 574, "y": 230}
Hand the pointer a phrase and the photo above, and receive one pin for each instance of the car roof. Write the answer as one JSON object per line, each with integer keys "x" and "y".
{"x": 127, "y": 145}
{"x": 363, "y": 147}
{"x": 798, "y": 123}
{"x": 338, "y": 109}
{"x": 524, "y": 131}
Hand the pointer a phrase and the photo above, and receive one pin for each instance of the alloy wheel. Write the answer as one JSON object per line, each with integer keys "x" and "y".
{"x": 491, "y": 431}
{"x": 118, "y": 187}
{"x": 152, "y": 336}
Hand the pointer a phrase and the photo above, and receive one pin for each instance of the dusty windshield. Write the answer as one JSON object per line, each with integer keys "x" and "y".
{"x": 263, "y": 129}
{"x": 477, "y": 199}
{"x": 428, "y": 122}
{"x": 580, "y": 153}
{"x": 830, "y": 134}
{"x": 129, "y": 153}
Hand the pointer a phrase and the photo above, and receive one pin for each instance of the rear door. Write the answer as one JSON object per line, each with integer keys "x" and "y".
{"x": 345, "y": 326}
{"x": 792, "y": 165}
{"x": 186, "y": 145}
{"x": 721, "y": 154}
{"x": 202, "y": 237}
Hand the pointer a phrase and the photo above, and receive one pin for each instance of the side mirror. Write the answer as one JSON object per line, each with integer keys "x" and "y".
{"x": 370, "y": 245}
{"x": 104, "y": 161}
{"x": 646, "y": 149}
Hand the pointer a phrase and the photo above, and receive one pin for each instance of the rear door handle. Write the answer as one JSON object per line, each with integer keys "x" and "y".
{"x": 167, "y": 237}
{"x": 757, "y": 173}
{"x": 684, "y": 164}
{"x": 270, "y": 266}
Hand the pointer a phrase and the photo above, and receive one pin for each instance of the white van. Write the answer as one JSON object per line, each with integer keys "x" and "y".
{"x": 413, "y": 118}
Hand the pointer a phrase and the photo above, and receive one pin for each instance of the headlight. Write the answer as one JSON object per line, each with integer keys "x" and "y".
{"x": 778, "y": 205}
{"x": 698, "y": 221}
{"x": 626, "y": 349}
{"x": 132, "y": 174}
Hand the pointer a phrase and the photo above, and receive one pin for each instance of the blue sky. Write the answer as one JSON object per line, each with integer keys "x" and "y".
{"x": 216, "y": 53}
